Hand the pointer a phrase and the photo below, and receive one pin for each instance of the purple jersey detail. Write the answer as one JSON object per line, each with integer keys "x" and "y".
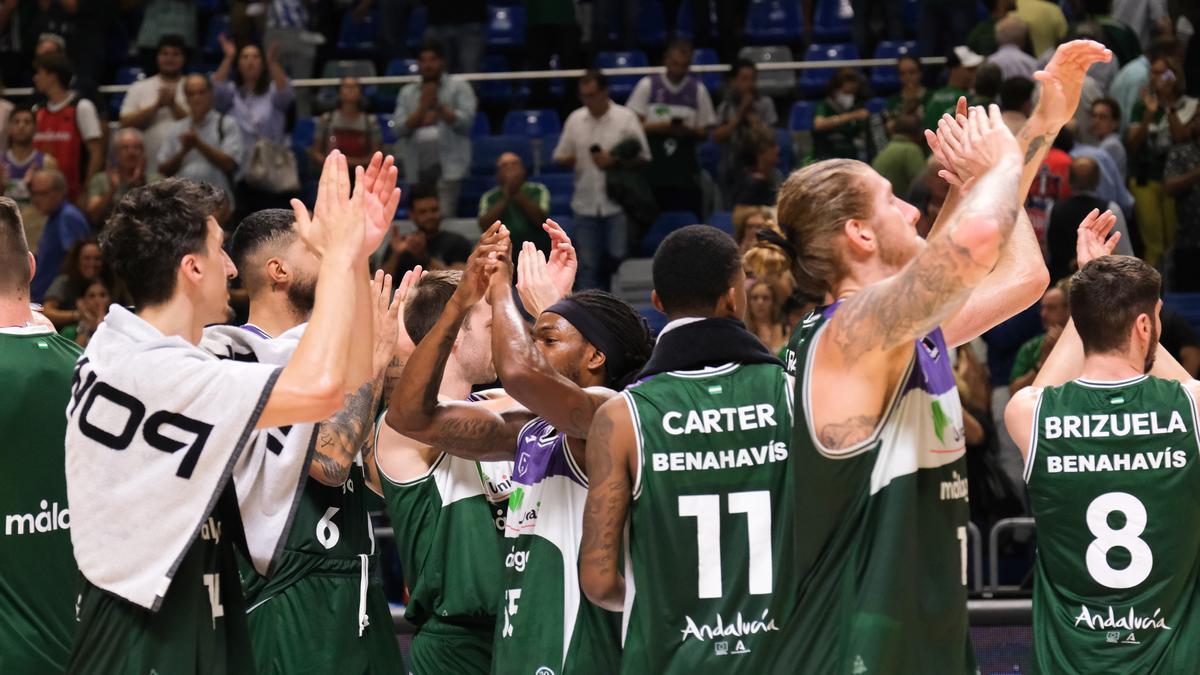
{"x": 687, "y": 97}
{"x": 541, "y": 453}
{"x": 933, "y": 371}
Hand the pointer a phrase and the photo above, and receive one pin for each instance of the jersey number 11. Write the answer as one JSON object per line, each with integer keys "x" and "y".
{"x": 706, "y": 509}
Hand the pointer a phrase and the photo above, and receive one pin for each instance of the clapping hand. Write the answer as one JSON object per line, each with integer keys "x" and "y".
{"x": 386, "y": 324}
{"x": 534, "y": 284}
{"x": 563, "y": 263}
{"x": 336, "y": 225}
{"x": 1062, "y": 80}
{"x": 1093, "y": 240}
{"x": 974, "y": 148}
{"x": 381, "y": 197}
{"x": 487, "y": 258}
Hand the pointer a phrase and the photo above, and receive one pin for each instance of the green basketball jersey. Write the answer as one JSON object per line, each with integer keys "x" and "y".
{"x": 449, "y": 544}
{"x": 1114, "y": 483}
{"x": 882, "y": 541}
{"x": 710, "y": 580}
{"x": 38, "y": 577}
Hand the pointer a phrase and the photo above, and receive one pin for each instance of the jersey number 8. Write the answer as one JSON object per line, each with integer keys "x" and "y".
{"x": 1126, "y": 537}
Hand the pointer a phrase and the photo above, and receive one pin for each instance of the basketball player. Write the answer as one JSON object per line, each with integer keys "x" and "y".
{"x": 448, "y": 512}
{"x": 157, "y": 426}
{"x": 699, "y": 446}
{"x": 329, "y": 558}
{"x": 1109, "y": 433}
{"x": 583, "y": 347}
{"x": 38, "y": 576}
{"x": 877, "y": 446}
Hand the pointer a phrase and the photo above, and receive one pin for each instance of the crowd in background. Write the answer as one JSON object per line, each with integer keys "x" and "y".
{"x": 632, "y": 157}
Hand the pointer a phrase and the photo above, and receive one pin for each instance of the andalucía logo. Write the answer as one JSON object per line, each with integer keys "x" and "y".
{"x": 721, "y": 628}
{"x": 1098, "y": 620}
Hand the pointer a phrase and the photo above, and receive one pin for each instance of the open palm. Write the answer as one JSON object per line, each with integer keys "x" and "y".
{"x": 1062, "y": 80}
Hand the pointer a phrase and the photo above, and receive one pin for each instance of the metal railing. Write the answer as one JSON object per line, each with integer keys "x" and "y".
{"x": 314, "y": 82}
{"x": 1003, "y": 525}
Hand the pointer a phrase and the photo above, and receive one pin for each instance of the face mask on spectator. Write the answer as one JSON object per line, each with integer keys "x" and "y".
{"x": 844, "y": 100}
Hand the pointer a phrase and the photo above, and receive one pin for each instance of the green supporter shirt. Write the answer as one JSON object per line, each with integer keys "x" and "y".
{"x": 838, "y": 141}
{"x": 516, "y": 220}
{"x": 1027, "y": 357}
{"x": 900, "y": 162}
{"x": 982, "y": 38}
{"x": 941, "y": 101}
{"x": 38, "y": 577}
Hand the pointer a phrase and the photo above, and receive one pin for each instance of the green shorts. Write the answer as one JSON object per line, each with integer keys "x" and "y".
{"x": 312, "y": 627}
{"x": 438, "y": 649}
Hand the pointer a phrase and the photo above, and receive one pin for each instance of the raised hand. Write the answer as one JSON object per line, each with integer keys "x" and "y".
{"x": 1092, "y": 240}
{"x": 940, "y": 152}
{"x": 404, "y": 345}
{"x": 381, "y": 197}
{"x": 1062, "y": 80}
{"x": 386, "y": 325}
{"x": 227, "y": 46}
{"x": 974, "y": 145}
{"x": 563, "y": 263}
{"x": 535, "y": 284}
{"x": 485, "y": 260}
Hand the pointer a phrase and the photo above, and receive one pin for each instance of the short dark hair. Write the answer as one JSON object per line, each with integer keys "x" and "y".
{"x": 594, "y": 75}
{"x": 1162, "y": 48}
{"x": 14, "y": 251}
{"x": 1015, "y": 93}
{"x": 150, "y": 231}
{"x": 22, "y": 110}
{"x": 173, "y": 40}
{"x": 1106, "y": 298}
{"x": 263, "y": 83}
{"x": 268, "y": 227}
{"x": 680, "y": 45}
{"x": 58, "y": 65}
{"x": 432, "y": 46}
{"x": 628, "y": 327}
{"x": 988, "y": 80}
{"x": 907, "y": 125}
{"x": 422, "y": 191}
{"x": 428, "y": 301}
{"x": 740, "y": 64}
{"x": 693, "y": 267}
{"x": 1114, "y": 108}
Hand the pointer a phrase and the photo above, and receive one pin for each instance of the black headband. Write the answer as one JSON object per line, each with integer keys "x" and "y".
{"x": 773, "y": 237}
{"x": 596, "y": 332}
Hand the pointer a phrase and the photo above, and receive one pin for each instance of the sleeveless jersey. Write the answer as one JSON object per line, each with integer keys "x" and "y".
{"x": 548, "y": 627}
{"x": 58, "y": 136}
{"x": 1114, "y": 483}
{"x": 675, "y": 162}
{"x": 710, "y": 580}
{"x": 882, "y": 546}
{"x": 38, "y": 576}
{"x": 449, "y": 542}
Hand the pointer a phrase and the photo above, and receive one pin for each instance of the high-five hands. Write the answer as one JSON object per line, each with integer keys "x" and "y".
{"x": 969, "y": 146}
{"x": 336, "y": 224}
{"x": 489, "y": 257}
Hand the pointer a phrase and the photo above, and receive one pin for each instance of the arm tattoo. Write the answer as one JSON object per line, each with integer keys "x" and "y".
{"x": 602, "y": 531}
{"x": 1035, "y": 145}
{"x": 848, "y": 432}
{"x": 341, "y": 436}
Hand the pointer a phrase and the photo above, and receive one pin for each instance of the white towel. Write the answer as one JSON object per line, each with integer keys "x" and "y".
{"x": 155, "y": 427}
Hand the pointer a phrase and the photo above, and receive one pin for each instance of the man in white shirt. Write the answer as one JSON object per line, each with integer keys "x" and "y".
{"x": 677, "y": 114}
{"x": 1010, "y": 57}
{"x": 589, "y": 138}
{"x": 153, "y": 104}
{"x": 206, "y": 146}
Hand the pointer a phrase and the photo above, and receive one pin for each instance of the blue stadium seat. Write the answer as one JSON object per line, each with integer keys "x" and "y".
{"x": 545, "y": 157}
{"x": 787, "y": 154}
{"x": 506, "y": 26}
{"x": 216, "y": 26}
{"x": 1186, "y": 305}
{"x": 801, "y": 117}
{"x": 722, "y": 220}
{"x": 651, "y": 24}
{"x": 773, "y": 22}
{"x": 481, "y": 127}
{"x": 414, "y": 33}
{"x": 707, "y": 57}
{"x": 531, "y": 123}
{"x": 387, "y": 128}
{"x": 683, "y": 20}
{"x": 558, "y": 87}
{"x": 665, "y": 224}
{"x": 833, "y": 20}
{"x": 124, "y": 76}
{"x": 355, "y": 37}
{"x": 876, "y": 104}
{"x": 620, "y": 86}
{"x": 710, "y": 158}
{"x": 304, "y": 132}
{"x": 487, "y": 149}
{"x": 385, "y": 94}
{"x": 561, "y": 187}
{"x": 473, "y": 189}
{"x": 885, "y": 79}
{"x": 814, "y": 81}
{"x": 498, "y": 91}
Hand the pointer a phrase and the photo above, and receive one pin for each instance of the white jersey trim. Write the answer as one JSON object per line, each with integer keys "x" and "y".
{"x": 33, "y": 329}
{"x": 1033, "y": 436}
{"x": 1095, "y": 384}
{"x": 637, "y": 433}
{"x": 1195, "y": 413}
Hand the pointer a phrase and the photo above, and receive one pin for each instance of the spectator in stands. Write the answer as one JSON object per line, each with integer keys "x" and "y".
{"x": 1065, "y": 216}
{"x": 205, "y": 146}
{"x": 1181, "y": 180}
{"x": 129, "y": 171}
{"x": 1160, "y": 120}
{"x": 459, "y": 27}
{"x": 1117, "y": 36}
{"x": 988, "y": 79}
{"x": 1106, "y": 129}
{"x": 165, "y": 17}
{"x": 1111, "y": 187}
{"x": 154, "y": 103}
{"x": 1046, "y": 22}
{"x": 520, "y": 204}
{"x": 1016, "y": 102}
{"x": 93, "y": 307}
{"x": 902, "y": 160}
{"x": 913, "y": 95}
{"x": 20, "y": 160}
{"x": 68, "y": 127}
{"x": 840, "y": 119}
{"x": 599, "y": 137}
{"x": 1055, "y": 312}
{"x": 982, "y": 38}
{"x": 1145, "y": 17}
{"x": 65, "y": 224}
{"x": 1003, "y": 342}
{"x": 82, "y": 264}
{"x": 961, "y": 63}
{"x": 677, "y": 114}
{"x": 747, "y": 221}
{"x": 433, "y": 120}
{"x": 742, "y": 109}
{"x": 764, "y": 316}
{"x": 287, "y": 27}
{"x": 256, "y": 93}
{"x": 1010, "y": 55}
{"x": 428, "y": 245}
{"x": 1133, "y": 79}
{"x": 348, "y": 128}
{"x": 758, "y": 177}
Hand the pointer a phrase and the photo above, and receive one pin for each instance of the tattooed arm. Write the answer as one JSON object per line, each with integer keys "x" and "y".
{"x": 610, "y": 456}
